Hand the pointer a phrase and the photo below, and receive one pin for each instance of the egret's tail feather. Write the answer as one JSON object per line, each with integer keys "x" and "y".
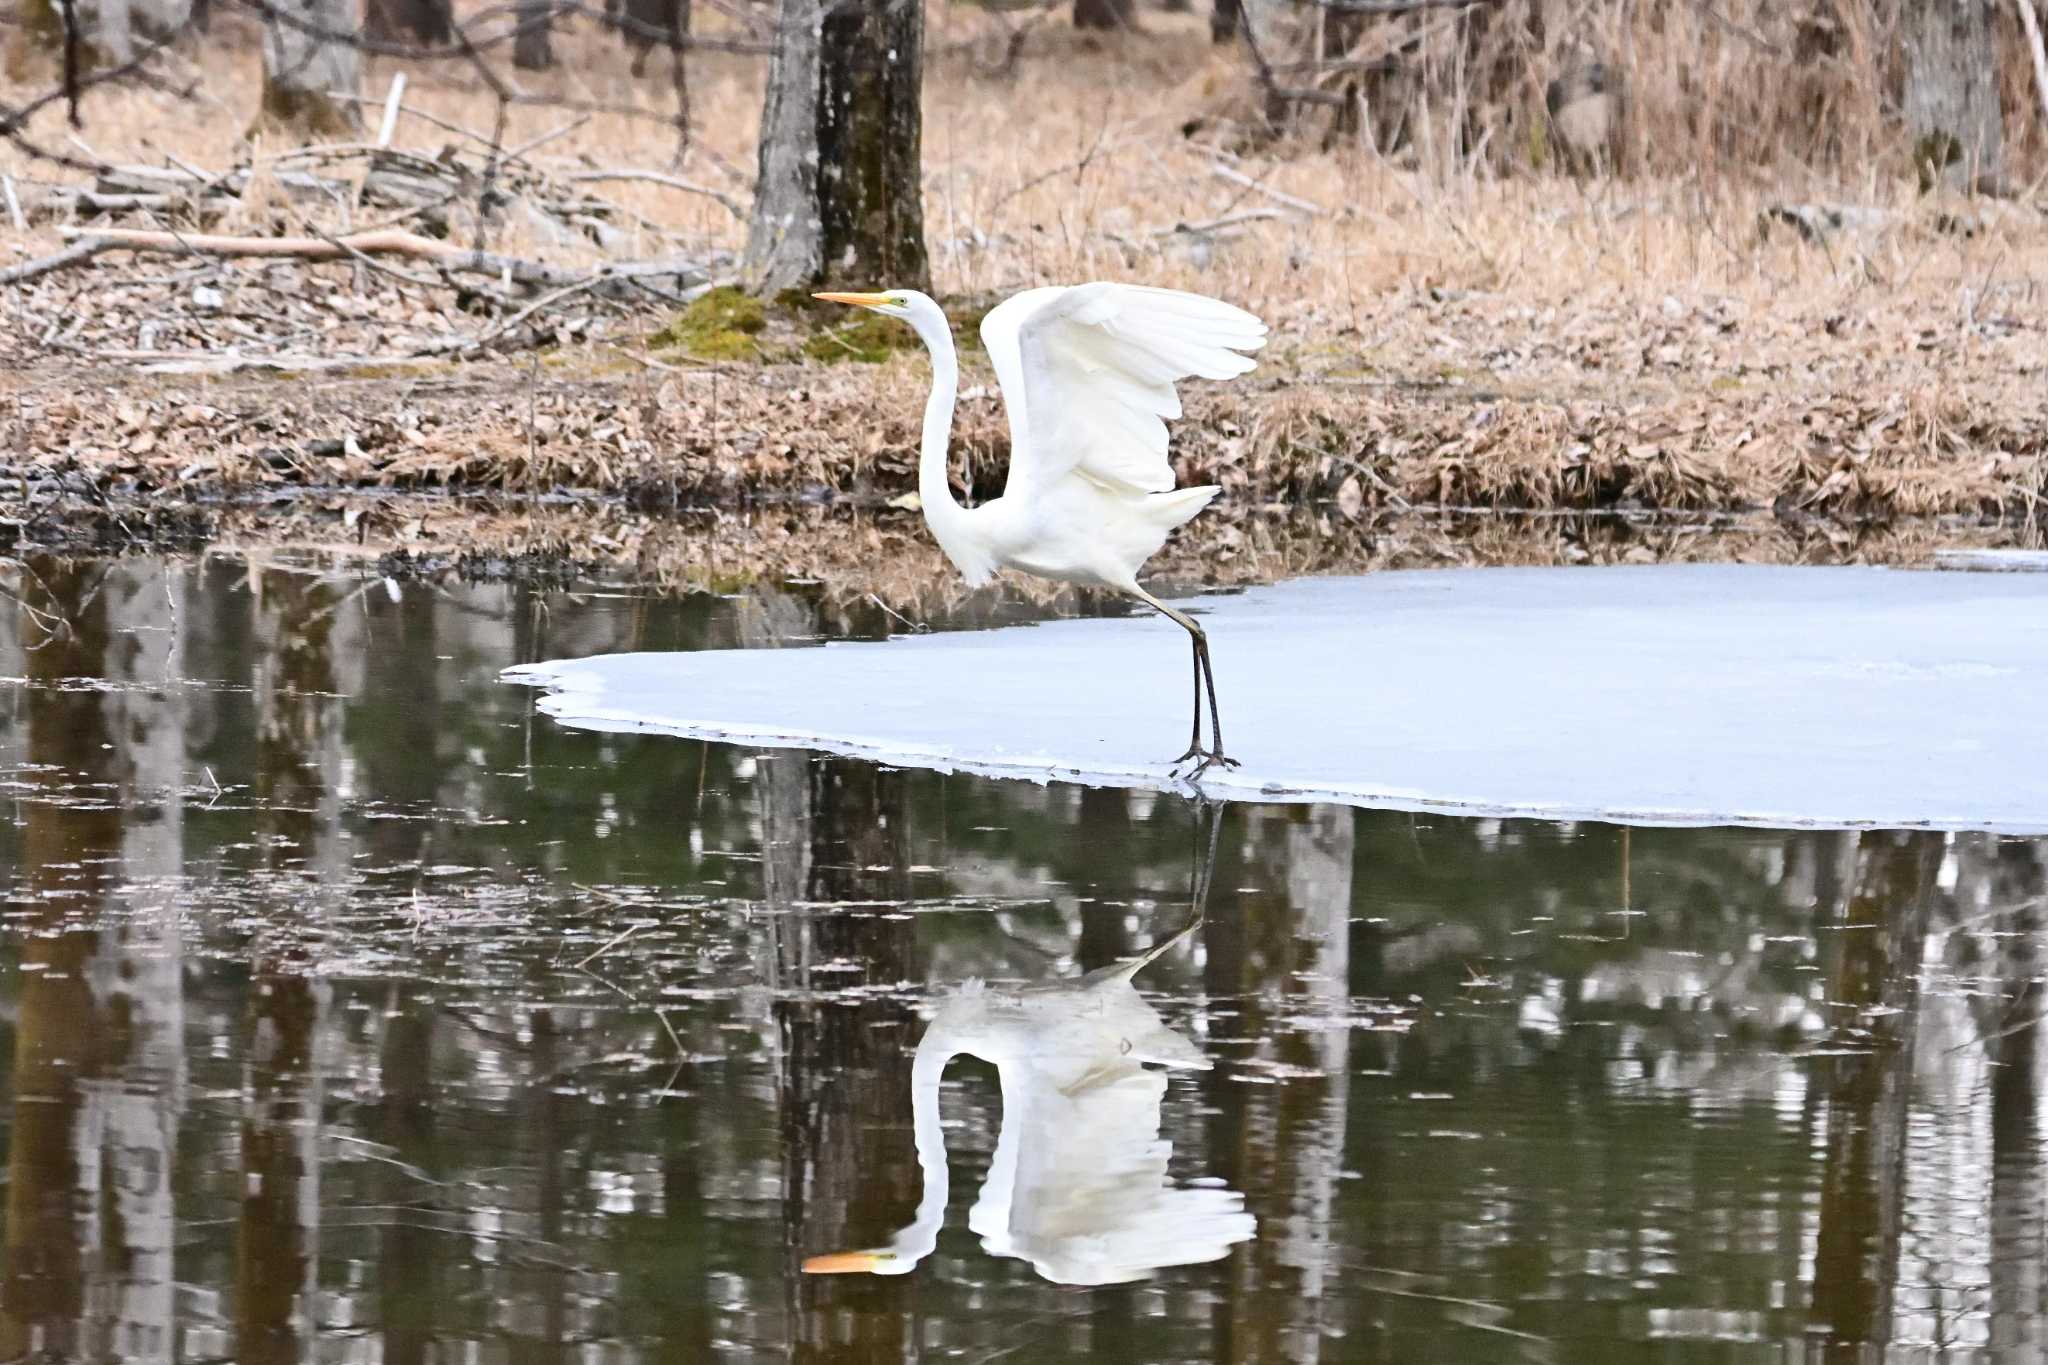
{"x": 1179, "y": 507}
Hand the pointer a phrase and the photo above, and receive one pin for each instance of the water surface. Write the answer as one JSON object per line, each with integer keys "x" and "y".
{"x": 355, "y": 1012}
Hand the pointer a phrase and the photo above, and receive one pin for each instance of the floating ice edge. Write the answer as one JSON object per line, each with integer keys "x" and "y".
{"x": 1656, "y": 695}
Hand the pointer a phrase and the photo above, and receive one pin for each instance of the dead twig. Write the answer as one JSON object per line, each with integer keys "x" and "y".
{"x": 544, "y": 301}
{"x": 614, "y": 941}
{"x": 1206, "y": 226}
{"x": 519, "y": 153}
{"x": 1076, "y": 168}
{"x": 731, "y": 205}
{"x": 1237, "y": 177}
{"x": 682, "y": 1053}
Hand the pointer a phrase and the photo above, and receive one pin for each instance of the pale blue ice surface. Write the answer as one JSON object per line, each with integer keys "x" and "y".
{"x": 1680, "y": 694}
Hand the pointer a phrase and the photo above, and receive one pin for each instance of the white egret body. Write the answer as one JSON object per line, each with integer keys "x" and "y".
{"x": 1077, "y": 1185}
{"x": 1087, "y": 373}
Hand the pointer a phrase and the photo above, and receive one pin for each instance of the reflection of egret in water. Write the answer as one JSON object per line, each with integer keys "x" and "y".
{"x": 1078, "y": 1182}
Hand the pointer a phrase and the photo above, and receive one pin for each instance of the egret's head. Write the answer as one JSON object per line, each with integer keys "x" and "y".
{"x": 880, "y": 1261}
{"x": 893, "y": 303}
{"x": 917, "y": 309}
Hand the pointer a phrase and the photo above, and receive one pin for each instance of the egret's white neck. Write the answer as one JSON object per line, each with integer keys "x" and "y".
{"x": 918, "y": 1241}
{"x": 947, "y": 518}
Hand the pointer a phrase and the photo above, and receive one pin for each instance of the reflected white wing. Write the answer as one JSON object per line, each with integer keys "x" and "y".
{"x": 1088, "y": 1199}
{"x": 1088, "y": 375}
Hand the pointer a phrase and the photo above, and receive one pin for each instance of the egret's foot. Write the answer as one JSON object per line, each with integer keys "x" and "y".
{"x": 1204, "y": 760}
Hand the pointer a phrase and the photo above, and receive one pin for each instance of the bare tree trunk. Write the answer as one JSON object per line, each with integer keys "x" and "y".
{"x": 647, "y": 22}
{"x": 1952, "y": 91}
{"x": 666, "y": 22}
{"x": 1280, "y": 952}
{"x": 840, "y": 197}
{"x": 404, "y": 1118}
{"x": 60, "y": 1036}
{"x": 309, "y": 63}
{"x": 399, "y": 21}
{"x": 849, "y": 1171}
{"x": 278, "y": 1232}
{"x": 108, "y": 30}
{"x": 1862, "y": 1093}
{"x": 1226, "y": 17}
{"x": 138, "y": 981}
{"x": 533, "y": 49}
{"x": 277, "y": 1235}
{"x": 1103, "y": 14}
{"x": 786, "y": 240}
{"x": 546, "y": 1282}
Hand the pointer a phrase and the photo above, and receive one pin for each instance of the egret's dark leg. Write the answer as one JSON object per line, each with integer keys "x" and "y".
{"x": 1205, "y": 858}
{"x": 1205, "y": 677}
{"x": 1209, "y": 819}
{"x": 1195, "y": 730}
{"x": 1215, "y": 716}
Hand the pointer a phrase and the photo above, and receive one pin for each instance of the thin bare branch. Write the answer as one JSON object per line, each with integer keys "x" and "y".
{"x": 730, "y": 204}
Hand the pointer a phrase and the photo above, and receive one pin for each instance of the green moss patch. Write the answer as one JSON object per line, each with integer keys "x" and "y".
{"x": 866, "y": 337}
{"x": 730, "y": 324}
{"x": 722, "y": 324}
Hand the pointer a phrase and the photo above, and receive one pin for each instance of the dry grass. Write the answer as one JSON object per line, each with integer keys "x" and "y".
{"x": 1745, "y": 92}
{"x": 1446, "y": 333}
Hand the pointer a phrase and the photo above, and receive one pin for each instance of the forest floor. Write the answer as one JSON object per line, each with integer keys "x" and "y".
{"x": 1463, "y": 367}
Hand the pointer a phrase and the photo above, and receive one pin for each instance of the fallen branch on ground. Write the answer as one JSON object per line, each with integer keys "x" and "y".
{"x": 234, "y": 362}
{"x": 612, "y": 280}
{"x": 1237, "y": 177}
{"x": 1217, "y": 226}
{"x": 74, "y": 254}
{"x": 418, "y": 185}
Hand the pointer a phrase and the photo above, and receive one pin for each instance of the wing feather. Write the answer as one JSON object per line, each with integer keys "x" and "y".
{"x": 1088, "y": 375}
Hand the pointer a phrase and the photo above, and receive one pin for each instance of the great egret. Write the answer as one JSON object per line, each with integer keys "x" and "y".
{"x": 1087, "y": 373}
{"x": 1078, "y": 1184}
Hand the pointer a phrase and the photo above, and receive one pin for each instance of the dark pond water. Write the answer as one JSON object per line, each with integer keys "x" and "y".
{"x": 352, "y": 1012}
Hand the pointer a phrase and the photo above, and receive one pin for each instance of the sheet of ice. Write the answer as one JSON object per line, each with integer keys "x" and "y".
{"x": 1993, "y": 561}
{"x": 1686, "y": 694}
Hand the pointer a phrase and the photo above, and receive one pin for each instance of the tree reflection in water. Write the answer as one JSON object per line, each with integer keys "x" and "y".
{"x": 419, "y": 1027}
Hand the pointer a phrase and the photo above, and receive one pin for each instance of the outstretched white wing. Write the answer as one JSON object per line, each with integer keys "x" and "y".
{"x": 1088, "y": 375}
